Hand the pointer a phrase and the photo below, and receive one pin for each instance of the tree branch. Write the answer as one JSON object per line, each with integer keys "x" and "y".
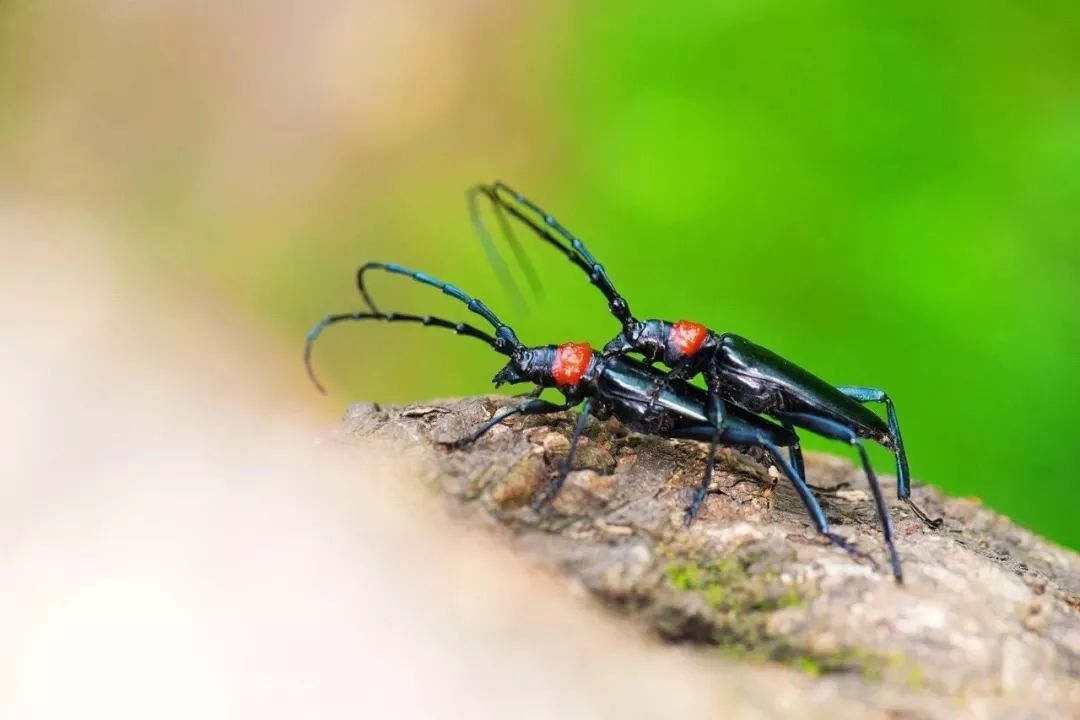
{"x": 987, "y": 623}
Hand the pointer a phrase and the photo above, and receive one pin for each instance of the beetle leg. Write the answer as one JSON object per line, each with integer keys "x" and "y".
{"x": 716, "y": 419}
{"x": 534, "y": 393}
{"x": 903, "y": 476}
{"x": 836, "y": 431}
{"x": 706, "y": 481}
{"x": 795, "y": 453}
{"x": 731, "y": 435}
{"x": 553, "y": 488}
{"x": 530, "y": 407}
{"x": 678, "y": 371}
{"x": 716, "y": 415}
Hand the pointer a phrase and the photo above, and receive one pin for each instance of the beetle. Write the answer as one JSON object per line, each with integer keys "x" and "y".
{"x": 736, "y": 371}
{"x": 603, "y": 386}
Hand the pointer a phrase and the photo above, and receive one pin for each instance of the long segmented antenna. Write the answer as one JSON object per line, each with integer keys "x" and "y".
{"x": 493, "y": 254}
{"x": 505, "y": 338}
{"x": 519, "y": 252}
{"x": 571, "y": 246}
{"x": 427, "y": 320}
{"x": 495, "y": 258}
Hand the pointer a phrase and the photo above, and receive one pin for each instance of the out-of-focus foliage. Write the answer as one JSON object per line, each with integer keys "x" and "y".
{"x": 885, "y": 194}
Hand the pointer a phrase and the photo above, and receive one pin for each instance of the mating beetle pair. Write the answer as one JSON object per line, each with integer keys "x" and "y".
{"x": 743, "y": 380}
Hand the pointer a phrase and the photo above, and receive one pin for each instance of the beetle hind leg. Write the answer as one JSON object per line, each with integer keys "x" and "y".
{"x": 817, "y": 515}
{"x": 836, "y": 431}
{"x": 903, "y": 476}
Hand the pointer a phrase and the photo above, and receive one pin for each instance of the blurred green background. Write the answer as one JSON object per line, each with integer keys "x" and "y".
{"x": 886, "y": 194}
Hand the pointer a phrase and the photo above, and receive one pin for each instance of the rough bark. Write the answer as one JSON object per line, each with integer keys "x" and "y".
{"x": 986, "y": 625}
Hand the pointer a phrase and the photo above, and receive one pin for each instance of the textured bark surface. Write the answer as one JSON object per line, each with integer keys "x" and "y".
{"x": 987, "y": 624}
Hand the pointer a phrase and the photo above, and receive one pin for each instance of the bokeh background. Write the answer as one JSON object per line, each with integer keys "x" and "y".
{"x": 885, "y": 194}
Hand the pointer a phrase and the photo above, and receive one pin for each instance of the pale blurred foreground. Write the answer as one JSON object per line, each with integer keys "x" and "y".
{"x": 177, "y": 545}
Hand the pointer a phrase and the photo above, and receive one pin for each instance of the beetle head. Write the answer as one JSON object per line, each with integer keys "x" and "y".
{"x": 559, "y": 366}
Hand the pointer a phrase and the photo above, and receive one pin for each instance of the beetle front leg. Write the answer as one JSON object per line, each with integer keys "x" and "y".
{"x": 534, "y": 393}
{"x": 530, "y": 407}
{"x": 679, "y": 371}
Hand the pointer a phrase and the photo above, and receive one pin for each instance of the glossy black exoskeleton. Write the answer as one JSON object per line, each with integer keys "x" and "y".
{"x": 736, "y": 371}
{"x": 603, "y": 386}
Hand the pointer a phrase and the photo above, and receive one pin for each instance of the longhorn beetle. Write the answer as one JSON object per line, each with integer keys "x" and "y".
{"x": 735, "y": 370}
{"x": 604, "y": 386}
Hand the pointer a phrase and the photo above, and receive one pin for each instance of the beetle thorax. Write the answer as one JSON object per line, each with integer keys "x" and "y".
{"x": 570, "y": 363}
{"x": 686, "y": 337}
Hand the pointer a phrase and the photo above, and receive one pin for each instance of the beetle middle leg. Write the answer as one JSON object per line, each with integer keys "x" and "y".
{"x": 557, "y": 483}
{"x": 715, "y": 414}
{"x": 681, "y": 370}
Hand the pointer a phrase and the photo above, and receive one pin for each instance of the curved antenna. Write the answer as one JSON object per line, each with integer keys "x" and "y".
{"x": 494, "y": 257}
{"x": 564, "y": 240}
{"x": 493, "y": 254}
{"x": 505, "y": 338}
{"x": 519, "y": 252}
{"x": 428, "y": 320}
